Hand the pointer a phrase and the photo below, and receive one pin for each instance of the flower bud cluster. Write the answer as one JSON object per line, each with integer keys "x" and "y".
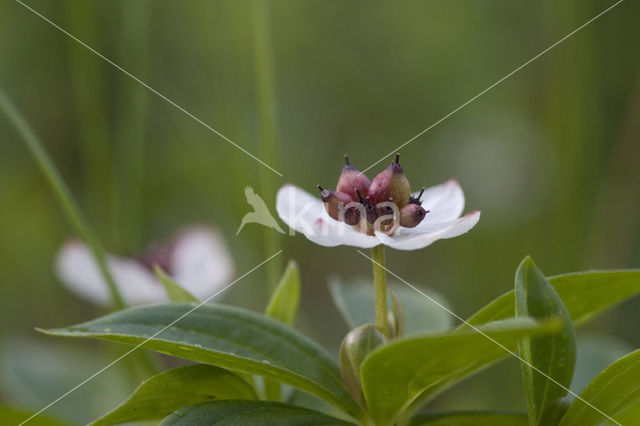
{"x": 383, "y": 204}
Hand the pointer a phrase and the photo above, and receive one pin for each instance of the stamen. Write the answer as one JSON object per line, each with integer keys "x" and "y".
{"x": 346, "y": 159}
{"x": 398, "y": 158}
{"x": 320, "y": 188}
{"x": 421, "y": 192}
{"x": 359, "y": 196}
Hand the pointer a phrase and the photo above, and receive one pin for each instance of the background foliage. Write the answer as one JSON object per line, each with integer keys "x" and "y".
{"x": 549, "y": 156}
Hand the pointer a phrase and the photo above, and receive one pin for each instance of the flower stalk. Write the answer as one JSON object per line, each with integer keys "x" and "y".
{"x": 380, "y": 286}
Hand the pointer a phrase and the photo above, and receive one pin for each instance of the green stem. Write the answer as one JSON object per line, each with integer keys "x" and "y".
{"x": 380, "y": 285}
{"x": 268, "y": 146}
{"x": 62, "y": 193}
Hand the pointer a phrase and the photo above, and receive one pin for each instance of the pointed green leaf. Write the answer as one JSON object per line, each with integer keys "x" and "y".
{"x": 611, "y": 392}
{"x": 469, "y": 418}
{"x": 227, "y": 337}
{"x": 397, "y": 373}
{"x": 163, "y": 393}
{"x": 265, "y": 413}
{"x": 286, "y": 297}
{"x": 585, "y": 294}
{"x": 175, "y": 291}
{"x": 555, "y": 355}
{"x": 355, "y": 301}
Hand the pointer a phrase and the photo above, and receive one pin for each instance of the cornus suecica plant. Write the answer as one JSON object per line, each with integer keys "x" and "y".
{"x": 396, "y": 358}
{"x": 377, "y": 213}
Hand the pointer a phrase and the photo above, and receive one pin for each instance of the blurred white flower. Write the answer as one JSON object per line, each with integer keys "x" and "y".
{"x": 444, "y": 203}
{"x": 197, "y": 258}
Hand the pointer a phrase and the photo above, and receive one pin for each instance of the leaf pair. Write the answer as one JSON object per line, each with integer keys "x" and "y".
{"x": 228, "y": 337}
{"x": 548, "y": 362}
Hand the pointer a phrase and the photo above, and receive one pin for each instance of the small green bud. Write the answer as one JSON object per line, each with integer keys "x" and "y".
{"x": 391, "y": 185}
{"x": 396, "y": 315}
{"x": 334, "y": 201}
{"x": 555, "y": 410}
{"x": 411, "y": 215}
{"x": 355, "y": 347}
{"x": 351, "y": 180}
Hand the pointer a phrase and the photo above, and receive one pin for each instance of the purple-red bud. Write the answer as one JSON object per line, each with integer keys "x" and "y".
{"x": 391, "y": 185}
{"x": 411, "y": 215}
{"x": 334, "y": 201}
{"x": 351, "y": 179}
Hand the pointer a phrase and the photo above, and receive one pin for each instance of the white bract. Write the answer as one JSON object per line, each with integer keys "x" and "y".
{"x": 445, "y": 202}
{"x": 196, "y": 259}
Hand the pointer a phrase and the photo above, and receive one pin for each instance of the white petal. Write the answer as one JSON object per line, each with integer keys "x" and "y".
{"x": 200, "y": 261}
{"x": 415, "y": 238}
{"x": 445, "y": 202}
{"x": 306, "y": 214}
{"x": 78, "y": 272}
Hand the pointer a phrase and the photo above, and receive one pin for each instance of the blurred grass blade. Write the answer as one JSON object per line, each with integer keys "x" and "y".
{"x": 396, "y": 374}
{"x": 175, "y": 291}
{"x": 61, "y": 191}
{"x": 170, "y": 390}
{"x": 249, "y": 413}
{"x": 227, "y": 337}
{"x": 283, "y": 305}
{"x": 585, "y": 294}
{"x": 553, "y": 355}
{"x": 612, "y": 391}
{"x": 267, "y": 119}
{"x": 469, "y": 418}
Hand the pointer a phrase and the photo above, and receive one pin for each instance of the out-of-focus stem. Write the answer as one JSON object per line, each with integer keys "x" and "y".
{"x": 268, "y": 143}
{"x": 380, "y": 285}
{"x": 62, "y": 193}
{"x": 132, "y": 128}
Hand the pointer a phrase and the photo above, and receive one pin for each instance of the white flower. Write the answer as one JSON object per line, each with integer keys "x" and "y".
{"x": 445, "y": 202}
{"x": 197, "y": 259}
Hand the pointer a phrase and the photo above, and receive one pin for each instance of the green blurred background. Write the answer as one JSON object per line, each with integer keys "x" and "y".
{"x": 551, "y": 155}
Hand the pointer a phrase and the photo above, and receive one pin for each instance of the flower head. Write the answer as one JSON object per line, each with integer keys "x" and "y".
{"x": 382, "y": 212}
{"x": 196, "y": 258}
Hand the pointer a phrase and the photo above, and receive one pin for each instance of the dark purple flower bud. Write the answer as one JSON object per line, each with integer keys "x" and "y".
{"x": 417, "y": 200}
{"x": 351, "y": 180}
{"x": 391, "y": 185}
{"x": 352, "y": 214}
{"x": 334, "y": 201}
{"x": 411, "y": 215}
{"x": 355, "y": 347}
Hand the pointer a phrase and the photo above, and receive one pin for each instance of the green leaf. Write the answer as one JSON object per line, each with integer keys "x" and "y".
{"x": 555, "y": 355}
{"x": 228, "y": 337}
{"x": 595, "y": 352}
{"x": 286, "y": 297}
{"x": 12, "y": 416}
{"x": 265, "y": 413}
{"x": 612, "y": 391}
{"x": 355, "y": 301}
{"x": 585, "y": 294}
{"x": 397, "y": 373}
{"x": 469, "y": 418}
{"x": 163, "y": 393}
{"x": 175, "y": 291}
